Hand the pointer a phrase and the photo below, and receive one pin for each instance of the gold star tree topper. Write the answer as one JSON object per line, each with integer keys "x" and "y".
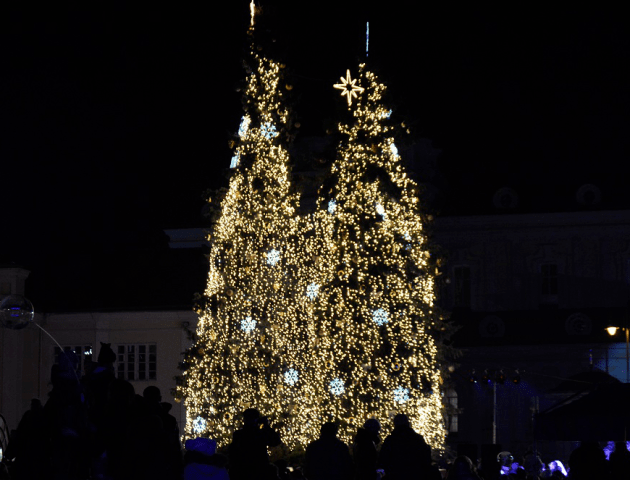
{"x": 348, "y": 87}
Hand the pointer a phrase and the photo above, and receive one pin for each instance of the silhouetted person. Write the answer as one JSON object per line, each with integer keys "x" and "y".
{"x": 619, "y": 462}
{"x": 248, "y": 457}
{"x": 202, "y": 462}
{"x": 30, "y": 445}
{"x": 588, "y": 462}
{"x": 404, "y": 454}
{"x": 462, "y": 469}
{"x": 66, "y": 418}
{"x": 328, "y": 458}
{"x": 170, "y": 431}
{"x": 364, "y": 450}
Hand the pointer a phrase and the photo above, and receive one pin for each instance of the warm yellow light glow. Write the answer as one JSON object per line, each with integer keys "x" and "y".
{"x": 612, "y": 330}
{"x": 348, "y": 87}
{"x": 318, "y": 317}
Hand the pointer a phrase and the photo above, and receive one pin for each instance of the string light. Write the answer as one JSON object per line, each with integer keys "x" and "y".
{"x": 343, "y": 326}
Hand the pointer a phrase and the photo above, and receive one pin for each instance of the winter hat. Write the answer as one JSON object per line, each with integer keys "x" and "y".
{"x": 373, "y": 425}
{"x": 205, "y": 446}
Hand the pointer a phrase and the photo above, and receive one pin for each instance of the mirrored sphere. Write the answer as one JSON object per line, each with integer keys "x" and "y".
{"x": 16, "y": 312}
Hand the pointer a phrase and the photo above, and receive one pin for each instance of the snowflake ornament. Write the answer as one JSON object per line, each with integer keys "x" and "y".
{"x": 394, "y": 149}
{"x": 244, "y": 127}
{"x": 337, "y": 387}
{"x": 269, "y": 130}
{"x": 199, "y": 425}
{"x": 312, "y": 291}
{"x": 291, "y": 376}
{"x": 348, "y": 87}
{"x": 235, "y": 161}
{"x": 380, "y": 317}
{"x": 401, "y": 395}
{"x": 332, "y": 206}
{"x": 248, "y": 324}
{"x": 273, "y": 257}
{"x": 380, "y": 209}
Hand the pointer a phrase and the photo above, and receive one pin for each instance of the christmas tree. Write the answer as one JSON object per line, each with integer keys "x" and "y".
{"x": 251, "y": 347}
{"x": 375, "y": 311}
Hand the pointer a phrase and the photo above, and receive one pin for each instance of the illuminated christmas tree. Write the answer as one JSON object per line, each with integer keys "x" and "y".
{"x": 376, "y": 321}
{"x": 251, "y": 347}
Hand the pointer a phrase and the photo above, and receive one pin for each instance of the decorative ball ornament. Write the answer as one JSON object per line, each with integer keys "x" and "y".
{"x": 16, "y": 312}
{"x": 396, "y": 367}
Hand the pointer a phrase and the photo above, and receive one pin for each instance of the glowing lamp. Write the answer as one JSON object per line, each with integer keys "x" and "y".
{"x": 612, "y": 330}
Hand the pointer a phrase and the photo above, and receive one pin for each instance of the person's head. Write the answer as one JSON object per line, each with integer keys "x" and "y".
{"x": 251, "y": 416}
{"x": 463, "y": 464}
{"x": 401, "y": 420}
{"x": 152, "y": 394}
{"x": 372, "y": 425}
{"x": 329, "y": 429}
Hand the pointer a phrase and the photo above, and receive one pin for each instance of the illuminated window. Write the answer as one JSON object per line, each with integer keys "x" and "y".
{"x": 461, "y": 287}
{"x": 451, "y": 411}
{"x": 83, "y": 355}
{"x": 137, "y": 362}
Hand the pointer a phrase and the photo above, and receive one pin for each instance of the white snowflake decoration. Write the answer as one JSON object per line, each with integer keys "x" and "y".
{"x": 235, "y": 161}
{"x": 332, "y": 206}
{"x": 380, "y": 317}
{"x": 380, "y": 209}
{"x": 273, "y": 257}
{"x": 401, "y": 395}
{"x": 242, "y": 130}
{"x": 387, "y": 114}
{"x": 406, "y": 236}
{"x": 248, "y": 324}
{"x": 291, "y": 376}
{"x": 394, "y": 149}
{"x": 337, "y": 387}
{"x": 312, "y": 291}
{"x": 269, "y": 130}
{"x": 199, "y": 425}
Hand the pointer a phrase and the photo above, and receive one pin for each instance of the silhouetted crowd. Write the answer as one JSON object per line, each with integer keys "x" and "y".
{"x": 99, "y": 428}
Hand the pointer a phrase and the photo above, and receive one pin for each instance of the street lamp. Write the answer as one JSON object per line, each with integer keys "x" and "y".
{"x": 612, "y": 331}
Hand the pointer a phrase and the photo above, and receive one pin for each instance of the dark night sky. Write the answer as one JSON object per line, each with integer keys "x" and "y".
{"x": 116, "y": 117}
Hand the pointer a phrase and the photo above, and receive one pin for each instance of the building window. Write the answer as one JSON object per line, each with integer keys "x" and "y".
{"x": 452, "y": 411}
{"x": 137, "y": 362}
{"x": 83, "y": 356}
{"x": 461, "y": 286}
{"x": 549, "y": 275}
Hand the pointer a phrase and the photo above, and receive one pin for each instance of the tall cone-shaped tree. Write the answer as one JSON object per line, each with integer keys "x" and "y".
{"x": 375, "y": 306}
{"x": 251, "y": 345}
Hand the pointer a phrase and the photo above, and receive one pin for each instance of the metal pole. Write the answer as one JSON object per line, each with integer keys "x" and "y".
{"x": 494, "y": 413}
{"x": 627, "y": 330}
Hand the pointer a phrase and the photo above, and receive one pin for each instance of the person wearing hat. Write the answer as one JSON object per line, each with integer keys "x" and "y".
{"x": 248, "y": 451}
{"x": 200, "y": 461}
{"x": 405, "y": 454}
{"x": 364, "y": 450}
